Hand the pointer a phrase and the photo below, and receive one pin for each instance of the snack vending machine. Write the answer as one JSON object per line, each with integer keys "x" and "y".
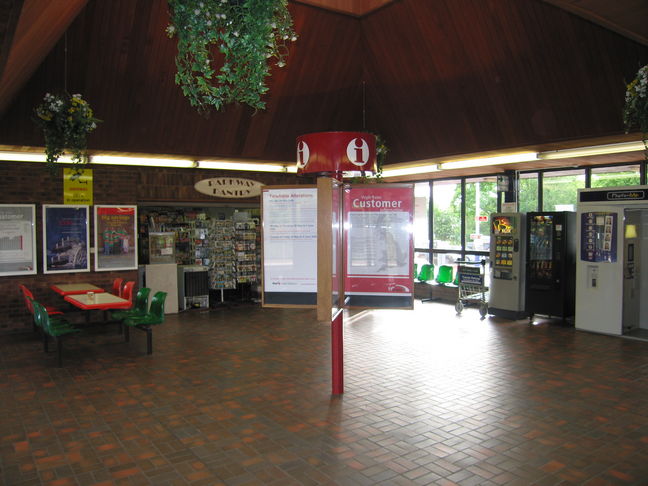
{"x": 551, "y": 263}
{"x": 507, "y": 264}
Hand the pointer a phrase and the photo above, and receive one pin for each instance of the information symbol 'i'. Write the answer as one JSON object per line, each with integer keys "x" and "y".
{"x": 303, "y": 154}
{"x": 358, "y": 151}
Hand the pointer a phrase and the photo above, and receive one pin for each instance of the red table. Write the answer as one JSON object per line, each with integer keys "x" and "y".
{"x": 101, "y": 301}
{"x": 76, "y": 288}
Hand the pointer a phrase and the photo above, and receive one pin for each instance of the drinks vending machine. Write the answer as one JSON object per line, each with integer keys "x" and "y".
{"x": 551, "y": 263}
{"x": 507, "y": 264}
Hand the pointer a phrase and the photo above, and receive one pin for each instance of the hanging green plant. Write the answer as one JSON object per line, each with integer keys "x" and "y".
{"x": 66, "y": 121}
{"x": 635, "y": 111}
{"x": 250, "y": 34}
{"x": 381, "y": 155}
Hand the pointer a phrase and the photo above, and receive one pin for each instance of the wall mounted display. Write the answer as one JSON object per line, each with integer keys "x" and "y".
{"x": 17, "y": 239}
{"x": 66, "y": 238}
{"x": 378, "y": 221}
{"x": 289, "y": 246}
{"x": 598, "y": 237}
{"x": 115, "y": 238}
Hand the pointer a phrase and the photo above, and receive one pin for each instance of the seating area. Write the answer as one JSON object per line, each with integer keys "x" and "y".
{"x": 441, "y": 285}
{"x": 53, "y": 323}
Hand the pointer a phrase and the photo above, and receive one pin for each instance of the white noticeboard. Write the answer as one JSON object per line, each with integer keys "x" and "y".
{"x": 17, "y": 239}
{"x": 290, "y": 246}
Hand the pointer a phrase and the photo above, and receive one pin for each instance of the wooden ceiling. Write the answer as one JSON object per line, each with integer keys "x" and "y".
{"x": 434, "y": 78}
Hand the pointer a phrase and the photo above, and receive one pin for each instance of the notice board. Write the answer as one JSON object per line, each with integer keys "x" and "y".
{"x": 379, "y": 246}
{"x": 289, "y": 229}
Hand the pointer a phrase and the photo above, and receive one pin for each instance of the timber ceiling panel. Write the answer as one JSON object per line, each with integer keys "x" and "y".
{"x": 433, "y": 78}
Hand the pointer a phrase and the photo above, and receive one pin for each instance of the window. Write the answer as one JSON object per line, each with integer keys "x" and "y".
{"x": 622, "y": 175}
{"x": 421, "y": 220}
{"x": 447, "y": 214}
{"x": 560, "y": 189}
{"x": 528, "y": 192}
{"x": 481, "y": 201}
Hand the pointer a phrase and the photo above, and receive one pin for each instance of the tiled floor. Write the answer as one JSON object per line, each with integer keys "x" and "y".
{"x": 241, "y": 396}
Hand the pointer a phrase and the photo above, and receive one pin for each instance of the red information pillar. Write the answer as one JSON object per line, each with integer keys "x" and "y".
{"x": 331, "y": 154}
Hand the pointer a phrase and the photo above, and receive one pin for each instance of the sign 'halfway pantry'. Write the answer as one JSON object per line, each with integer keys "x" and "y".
{"x": 229, "y": 187}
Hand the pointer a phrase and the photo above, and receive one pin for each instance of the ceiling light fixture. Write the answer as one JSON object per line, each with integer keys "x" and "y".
{"x": 486, "y": 161}
{"x": 246, "y": 166}
{"x": 30, "y": 157}
{"x": 613, "y": 148}
{"x": 142, "y": 161}
{"x": 413, "y": 170}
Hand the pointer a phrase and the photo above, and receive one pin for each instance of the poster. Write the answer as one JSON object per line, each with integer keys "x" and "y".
{"x": 17, "y": 239}
{"x": 598, "y": 233}
{"x": 379, "y": 246}
{"x": 290, "y": 246}
{"x": 115, "y": 238}
{"x": 66, "y": 239}
{"x": 77, "y": 186}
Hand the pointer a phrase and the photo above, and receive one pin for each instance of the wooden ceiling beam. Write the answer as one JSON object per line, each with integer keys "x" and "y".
{"x": 356, "y": 8}
{"x": 40, "y": 25}
{"x": 625, "y": 17}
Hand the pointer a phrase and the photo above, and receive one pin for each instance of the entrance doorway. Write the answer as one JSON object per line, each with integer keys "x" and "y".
{"x": 635, "y": 273}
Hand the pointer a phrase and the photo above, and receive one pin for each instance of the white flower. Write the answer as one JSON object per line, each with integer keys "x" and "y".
{"x": 196, "y": 12}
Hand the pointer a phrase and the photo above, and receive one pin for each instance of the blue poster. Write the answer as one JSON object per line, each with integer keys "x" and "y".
{"x": 598, "y": 237}
{"x": 65, "y": 239}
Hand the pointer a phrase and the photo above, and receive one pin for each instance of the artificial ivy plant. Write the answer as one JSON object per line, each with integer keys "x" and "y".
{"x": 249, "y": 34}
{"x": 66, "y": 120}
{"x": 635, "y": 110}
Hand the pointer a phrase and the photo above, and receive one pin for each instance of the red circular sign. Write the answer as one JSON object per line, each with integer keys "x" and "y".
{"x": 336, "y": 152}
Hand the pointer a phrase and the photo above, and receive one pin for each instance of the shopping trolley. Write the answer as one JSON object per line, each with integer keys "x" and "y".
{"x": 472, "y": 286}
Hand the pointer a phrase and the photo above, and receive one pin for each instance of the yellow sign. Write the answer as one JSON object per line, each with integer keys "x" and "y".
{"x": 77, "y": 186}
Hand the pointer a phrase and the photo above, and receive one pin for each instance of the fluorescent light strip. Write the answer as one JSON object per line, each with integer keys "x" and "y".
{"x": 613, "y": 148}
{"x": 30, "y": 157}
{"x": 141, "y": 161}
{"x": 402, "y": 171}
{"x": 486, "y": 161}
{"x": 246, "y": 166}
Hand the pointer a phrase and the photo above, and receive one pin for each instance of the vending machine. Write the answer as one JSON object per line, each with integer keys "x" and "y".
{"x": 507, "y": 265}
{"x": 551, "y": 263}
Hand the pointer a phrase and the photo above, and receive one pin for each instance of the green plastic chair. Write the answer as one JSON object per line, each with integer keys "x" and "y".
{"x": 57, "y": 329}
{"x": 455, "y": 282}
{"x": 139, "y": 308}
{"x": 415, "y": 270}
{"x": 153, "y": 317}
{"x": 445, "y": 275}
{"x": 427, "y": 272}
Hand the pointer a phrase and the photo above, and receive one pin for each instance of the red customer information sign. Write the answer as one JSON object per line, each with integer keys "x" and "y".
{"x": 379, "y": 247}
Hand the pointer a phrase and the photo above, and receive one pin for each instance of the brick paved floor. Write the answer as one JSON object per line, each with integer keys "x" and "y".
{"x": 241, "y": 396}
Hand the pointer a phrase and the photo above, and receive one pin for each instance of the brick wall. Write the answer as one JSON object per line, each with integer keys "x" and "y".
{"x": 29, "y": 183}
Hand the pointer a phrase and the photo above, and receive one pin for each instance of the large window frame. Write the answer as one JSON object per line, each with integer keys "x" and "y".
{"x": 435, "y": 255}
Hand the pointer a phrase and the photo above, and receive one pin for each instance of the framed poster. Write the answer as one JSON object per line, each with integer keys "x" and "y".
{"x": 289, "y": 246}
{"x": 66, "y": 238}
{"x": 115, "y": 238}
{"x": 379, "y": 248}
{"x": 17, "y": 239}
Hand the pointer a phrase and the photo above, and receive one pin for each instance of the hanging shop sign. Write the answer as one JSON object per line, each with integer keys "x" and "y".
{"x": 327, "y": 152}
{"x": 229, "y": 187}
{"x": 77, "y": 186}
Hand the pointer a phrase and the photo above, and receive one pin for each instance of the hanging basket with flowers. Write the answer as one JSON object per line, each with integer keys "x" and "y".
{"x": 635, "y": 111}
{"x": 249, "y": 34}
{"x": 66, "y": 121}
